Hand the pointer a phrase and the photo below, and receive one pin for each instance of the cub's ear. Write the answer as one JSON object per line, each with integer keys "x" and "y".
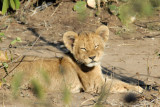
{"x": 68, "y": 39}
{"x": 103, "y": 31}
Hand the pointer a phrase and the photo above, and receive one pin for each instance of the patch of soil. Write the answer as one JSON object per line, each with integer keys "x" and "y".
{"x": 131, "y": 55}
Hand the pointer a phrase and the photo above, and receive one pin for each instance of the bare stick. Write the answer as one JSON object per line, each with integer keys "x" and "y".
{"x": 56, "y": 9}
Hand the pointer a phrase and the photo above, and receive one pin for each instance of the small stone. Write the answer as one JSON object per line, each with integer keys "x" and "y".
{"x": 91, "y": 3}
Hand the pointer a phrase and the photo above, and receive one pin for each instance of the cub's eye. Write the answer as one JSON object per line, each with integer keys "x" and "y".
{"x": 96, "y": 46}
{"x": 83, "y": 49}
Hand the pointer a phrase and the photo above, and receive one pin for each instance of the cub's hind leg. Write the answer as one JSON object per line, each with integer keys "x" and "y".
{"x": 117, "y": 86}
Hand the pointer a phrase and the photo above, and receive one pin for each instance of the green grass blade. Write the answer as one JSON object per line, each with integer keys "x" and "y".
{"x": 17, "y": 4}
{"x": 16, "y": 83}
{"x": 5, "y": 6}
{"x": 37, "y": 89}
{"x": 2, "y": 34}
{"x": 12, "y": 4}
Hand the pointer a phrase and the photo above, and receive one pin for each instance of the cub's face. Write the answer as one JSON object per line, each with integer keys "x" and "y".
{"x": 87, "y": 47}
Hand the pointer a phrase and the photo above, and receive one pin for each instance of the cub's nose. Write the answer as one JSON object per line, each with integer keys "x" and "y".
{"x": 92, "y": 57}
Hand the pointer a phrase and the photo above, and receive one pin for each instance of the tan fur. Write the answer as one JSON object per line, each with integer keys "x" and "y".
{"x": 79, "y": 70}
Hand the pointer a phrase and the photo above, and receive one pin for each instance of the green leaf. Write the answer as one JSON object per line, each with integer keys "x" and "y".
{"x": 18, "y": 39}
{"x": 13, "y": 42}
{"x": 17, "y": 3}
{"x": 80, "y": 6}
{"x": 2, "y": 34}
{"x": 5, "y": 64}
{"x": 4, "y": 80}
{"x": 5, "y": 67}
{"x": 5, "y": 6}
{"x": 12, "y": 4}
{"x": 114, "y": 9}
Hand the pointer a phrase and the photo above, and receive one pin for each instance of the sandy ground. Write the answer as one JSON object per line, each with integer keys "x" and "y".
{"x": 131, "y": 55}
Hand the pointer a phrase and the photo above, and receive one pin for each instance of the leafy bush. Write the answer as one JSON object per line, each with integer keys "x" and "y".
{"x": 155, "y": 3}
{"x": 14, "y": 4}
{"x": 80, "y": 7}
{"x": 129, "y": 10}
{"x": 126, "y": 10}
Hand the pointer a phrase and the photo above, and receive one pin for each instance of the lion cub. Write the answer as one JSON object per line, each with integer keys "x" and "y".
{"x": 80, "y": 69}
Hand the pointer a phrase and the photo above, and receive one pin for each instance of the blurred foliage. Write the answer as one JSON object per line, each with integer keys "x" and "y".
{"x": 132, "y": 9}
{"x": 4, "y": 80}
{"x": 16, "y": 83}
{"x": 45, "y": 76}
{"x": 113, "y": 9}
{"x": 80, "y": 7}
{"x": 5, "y": 67}
{"x": 39, "y": 83}
{"x": 37, "y": 88}
{"x": 14, "y": 4}
{"x": 129, "y": 11}
{"x": 66, "y": 96}
{"x": 103, "y": 95}
{"x": 66, "y": 91}
{"x": 1, "y": 36}
{"x": 155, "y": 3}
{"x": 126, "y": 10}
{"x": 36, "y": 84}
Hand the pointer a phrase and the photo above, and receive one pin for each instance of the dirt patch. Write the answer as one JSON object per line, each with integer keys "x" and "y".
{"x": 130, "y": 55}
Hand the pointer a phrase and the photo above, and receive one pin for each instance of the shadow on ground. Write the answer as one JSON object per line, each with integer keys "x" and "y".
{"x": 59, "y": 45}
{"x": 126, "y": 79}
